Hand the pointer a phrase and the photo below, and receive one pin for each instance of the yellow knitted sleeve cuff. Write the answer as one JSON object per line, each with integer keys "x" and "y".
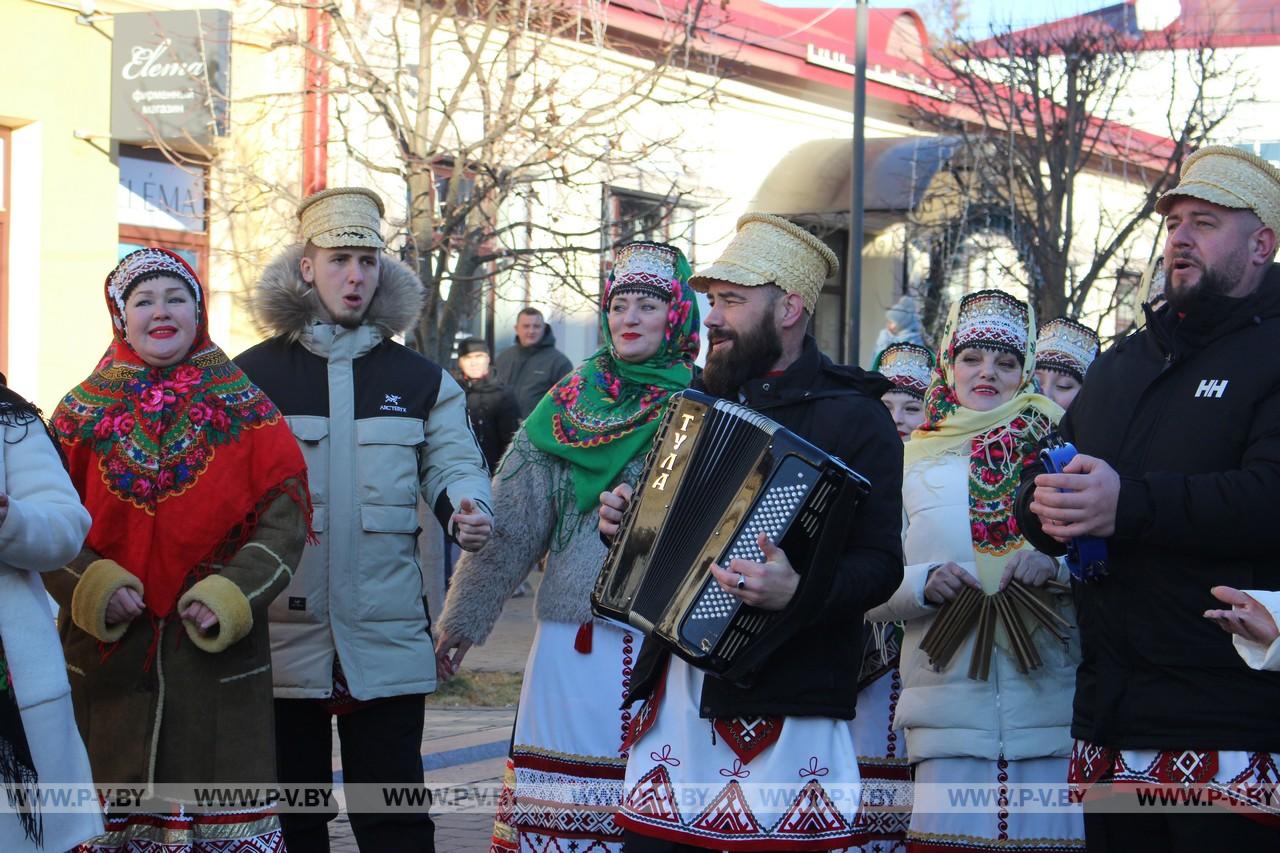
{"x": 228, "y": 603}
{"x": 93, "y": 591}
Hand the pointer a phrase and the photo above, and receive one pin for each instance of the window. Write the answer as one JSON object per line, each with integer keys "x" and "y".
{"x": 829, "y": 321}
{"x": 469, "y": 242}
{"x": 987, "y": 258}
{"x": 1269, "y": 151}
{"x": 162, "y": 204}
{"x": 466, "y": 187}
{"x": 1127, "y": 296}
{"x": 631, "y": 216}
{"x": 639, "y": 217}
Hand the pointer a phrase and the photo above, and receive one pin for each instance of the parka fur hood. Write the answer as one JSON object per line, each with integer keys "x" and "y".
{"x": 283, "y": 304}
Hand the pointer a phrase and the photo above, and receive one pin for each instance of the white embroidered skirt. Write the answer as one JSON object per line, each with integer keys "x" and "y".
{"x": 564, "y": 777}
{"x": 883, "y": 767}
{"x": 964, "y": 804}
{"x": 684, "y": 783}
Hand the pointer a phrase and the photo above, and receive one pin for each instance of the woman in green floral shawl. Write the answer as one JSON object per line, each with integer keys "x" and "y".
{"x": 588, "y": 434}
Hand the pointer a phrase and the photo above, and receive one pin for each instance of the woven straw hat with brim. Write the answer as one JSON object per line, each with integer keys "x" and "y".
{"x": 342, "y": 217}
{"x": 771, "y": 250}
{"x": 1232, "y": 178}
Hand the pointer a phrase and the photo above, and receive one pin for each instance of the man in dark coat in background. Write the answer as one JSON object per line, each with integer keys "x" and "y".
{"x": 495, "y": 415}
{"x": 534, "y": 364}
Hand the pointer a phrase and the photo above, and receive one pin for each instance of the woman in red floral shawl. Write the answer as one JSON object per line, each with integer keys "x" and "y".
{"x": 200, "y": 511}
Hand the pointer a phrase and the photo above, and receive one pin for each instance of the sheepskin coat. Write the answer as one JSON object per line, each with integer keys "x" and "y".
{"x": 179, "y": 707}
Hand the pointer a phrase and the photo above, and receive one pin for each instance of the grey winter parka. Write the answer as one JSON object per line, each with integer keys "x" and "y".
{"x": 530, "y": 371}
{"x": 381, "y": 427}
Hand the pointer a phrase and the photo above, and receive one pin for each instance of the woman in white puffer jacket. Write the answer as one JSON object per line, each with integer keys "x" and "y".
{"x": 983, "y": 422}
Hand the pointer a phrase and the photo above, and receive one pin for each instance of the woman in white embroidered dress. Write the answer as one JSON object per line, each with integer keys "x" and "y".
{"x": 590, "y": 432}
{"x": 882, "y": 755}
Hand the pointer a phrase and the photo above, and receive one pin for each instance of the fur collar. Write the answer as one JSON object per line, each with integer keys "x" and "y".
{"x": 283, "y": 304}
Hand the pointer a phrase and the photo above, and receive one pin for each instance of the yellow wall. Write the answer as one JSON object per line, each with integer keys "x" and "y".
{"x": 55, "y": 80}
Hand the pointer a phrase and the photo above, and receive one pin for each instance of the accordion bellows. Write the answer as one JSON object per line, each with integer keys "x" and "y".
{"x": 720, "y": 474}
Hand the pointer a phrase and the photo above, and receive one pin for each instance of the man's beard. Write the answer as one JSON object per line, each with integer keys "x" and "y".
{"x": 751, "y": 355}
{"x": 1212, "y": 282}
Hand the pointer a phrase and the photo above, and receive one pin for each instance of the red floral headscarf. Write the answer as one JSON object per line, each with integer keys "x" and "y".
{"x": 173, "y": 463}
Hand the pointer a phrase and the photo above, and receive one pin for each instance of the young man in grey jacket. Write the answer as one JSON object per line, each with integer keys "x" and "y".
{"x": 381, "y": 427}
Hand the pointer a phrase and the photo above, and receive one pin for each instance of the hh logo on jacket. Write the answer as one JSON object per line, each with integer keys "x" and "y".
{"x": 1212, "y": 388}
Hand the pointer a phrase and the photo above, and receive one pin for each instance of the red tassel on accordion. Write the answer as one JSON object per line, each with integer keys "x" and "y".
{"x": 582, "y": 642}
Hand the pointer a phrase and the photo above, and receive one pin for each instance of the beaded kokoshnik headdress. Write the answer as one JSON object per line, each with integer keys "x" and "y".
{"x": 908, "y": 366}
{"x": 1066, "y": 346}
{"x": 645, "y": 268}
{"x": 991, "y": 319}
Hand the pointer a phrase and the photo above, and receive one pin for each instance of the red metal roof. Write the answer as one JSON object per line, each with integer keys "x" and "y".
{"x": 760, "y": 37}
{"x": 804, "y": 44}
{"x": 1212, "y": 23}
{"x": 1230, "y": 23}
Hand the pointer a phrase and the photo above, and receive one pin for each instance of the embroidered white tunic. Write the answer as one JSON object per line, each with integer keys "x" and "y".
{"x": 684, "y": 783}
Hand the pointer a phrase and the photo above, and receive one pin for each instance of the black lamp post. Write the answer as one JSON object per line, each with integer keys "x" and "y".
{"x": 853, "y": 261}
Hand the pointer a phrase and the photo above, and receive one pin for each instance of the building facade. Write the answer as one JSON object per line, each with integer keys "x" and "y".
{"x": 759, "y": 120}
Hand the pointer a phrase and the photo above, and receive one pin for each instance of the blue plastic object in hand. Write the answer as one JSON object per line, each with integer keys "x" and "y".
{"x": 1086, "y": 555}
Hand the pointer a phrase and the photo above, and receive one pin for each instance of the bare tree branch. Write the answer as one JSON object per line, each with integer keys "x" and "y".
{"x": 1036, "y": 116}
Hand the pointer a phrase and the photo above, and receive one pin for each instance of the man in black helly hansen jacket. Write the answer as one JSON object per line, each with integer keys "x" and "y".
{"x": 1178, "y": 428}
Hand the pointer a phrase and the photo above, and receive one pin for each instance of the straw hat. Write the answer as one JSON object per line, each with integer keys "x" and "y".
{"x": 771, "y": 250}
{"x": 1232, "y": 178}
{"x": 342, "y": 216}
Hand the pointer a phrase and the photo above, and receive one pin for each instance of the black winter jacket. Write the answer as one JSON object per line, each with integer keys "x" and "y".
{"x": 495, "y": 417}
{"x": 530, "y": 371}
{"x": 813, "y": 671}
{"x": 1188, "y": 413}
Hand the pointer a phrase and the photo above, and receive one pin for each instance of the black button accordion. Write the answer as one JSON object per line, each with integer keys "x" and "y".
{"x": 718, "y": 475}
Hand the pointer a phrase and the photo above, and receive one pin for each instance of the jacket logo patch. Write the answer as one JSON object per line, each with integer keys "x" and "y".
{"x": 297, "y": 602}
{"x": 391, "y": 403}
{"x": 1212, "y": 388}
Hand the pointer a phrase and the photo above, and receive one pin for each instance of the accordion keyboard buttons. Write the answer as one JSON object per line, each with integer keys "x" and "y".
{"x": 715, "y": 603}
{"x": 770, "y": 518}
